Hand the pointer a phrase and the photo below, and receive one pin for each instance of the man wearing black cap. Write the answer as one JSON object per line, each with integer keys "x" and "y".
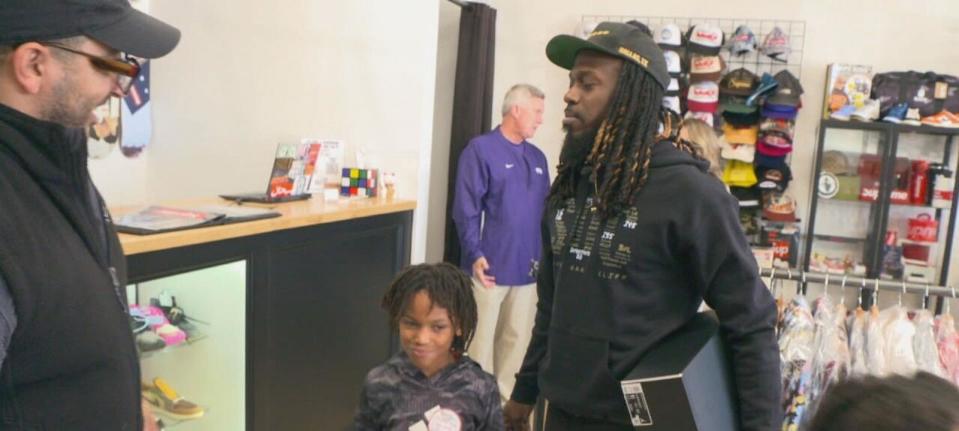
{"x": 67, "y": 357}
{"x": 636, "y": 234}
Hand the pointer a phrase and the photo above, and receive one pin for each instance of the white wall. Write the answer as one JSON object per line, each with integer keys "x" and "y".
{"x": 888, "y": 34}
{"x": 249, "y": 74}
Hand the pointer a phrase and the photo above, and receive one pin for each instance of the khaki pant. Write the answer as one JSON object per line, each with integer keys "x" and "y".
{"x": 505, "y": 325}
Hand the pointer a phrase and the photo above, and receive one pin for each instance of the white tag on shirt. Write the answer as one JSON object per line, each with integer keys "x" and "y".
{"x": 419, "y": 426}
{"x": 445, "y": 420}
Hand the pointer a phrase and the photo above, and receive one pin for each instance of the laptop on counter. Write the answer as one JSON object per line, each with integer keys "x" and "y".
{"x": 290, "y": 176}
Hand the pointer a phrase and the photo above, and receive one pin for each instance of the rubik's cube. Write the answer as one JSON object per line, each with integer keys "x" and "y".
{"x": 358, "y": 182}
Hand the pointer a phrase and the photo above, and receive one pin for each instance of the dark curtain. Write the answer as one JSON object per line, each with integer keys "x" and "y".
{"x": 472, "y": 99}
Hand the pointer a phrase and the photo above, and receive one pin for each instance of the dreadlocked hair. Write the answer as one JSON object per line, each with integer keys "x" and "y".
{"x": 623, "y": 146}
{"x": 447, "y": 286}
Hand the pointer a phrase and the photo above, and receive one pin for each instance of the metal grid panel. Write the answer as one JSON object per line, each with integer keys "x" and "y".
{"x": 755, "y": 62}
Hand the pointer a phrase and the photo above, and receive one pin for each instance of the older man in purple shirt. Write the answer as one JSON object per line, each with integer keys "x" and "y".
{"x": 501, "y": 190}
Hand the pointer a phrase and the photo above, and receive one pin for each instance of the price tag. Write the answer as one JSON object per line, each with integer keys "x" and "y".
{"x": 941, "y": 89}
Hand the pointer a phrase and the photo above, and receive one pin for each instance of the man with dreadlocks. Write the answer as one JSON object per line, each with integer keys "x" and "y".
{"x": 636, "y": 234}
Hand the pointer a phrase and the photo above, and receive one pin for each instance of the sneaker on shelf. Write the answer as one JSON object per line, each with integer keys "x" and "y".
{"x": 843, "y": 113}
{"x": 149, "y": 341}
{"x": 868, "y": 112}
{"x": 167, "y": 403}
{"x": 941, "y": 119}
{"x": 912, "y": 117}
{"x": 896, "y": 114}
{"x": 171, "y": 334}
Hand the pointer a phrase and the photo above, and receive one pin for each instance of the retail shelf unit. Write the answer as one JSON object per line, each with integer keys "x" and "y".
{"x": 866, "y": 193}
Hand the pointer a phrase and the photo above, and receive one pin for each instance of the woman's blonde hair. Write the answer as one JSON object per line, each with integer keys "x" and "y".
{"x": 704, "y": 137}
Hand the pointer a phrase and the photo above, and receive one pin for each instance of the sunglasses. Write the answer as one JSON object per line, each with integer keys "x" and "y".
{"x": 126, "y": 69}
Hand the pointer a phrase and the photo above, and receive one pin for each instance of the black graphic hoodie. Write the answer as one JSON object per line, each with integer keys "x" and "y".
{"x": 610, "y": 289}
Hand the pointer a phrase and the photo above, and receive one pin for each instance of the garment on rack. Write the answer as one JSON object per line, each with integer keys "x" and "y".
{"x": 898, "y": 332}
{"x": 924, "y": 344}
{"x": 831, "y": 357}
{"x": 875, "y": 344}
{"x": 857, "y": 343}
{"x": 796, "y": 343}
{"x": 948, "y": 341}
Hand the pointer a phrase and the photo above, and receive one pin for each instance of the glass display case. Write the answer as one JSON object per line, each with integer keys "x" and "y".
{"x": 191, "y": 336}
{"x": 882, "y": 204}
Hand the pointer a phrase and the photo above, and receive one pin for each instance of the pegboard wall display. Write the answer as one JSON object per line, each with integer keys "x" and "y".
{"x": 754, "y": 61}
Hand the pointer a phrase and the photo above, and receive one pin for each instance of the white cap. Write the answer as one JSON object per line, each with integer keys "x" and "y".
{"x": 668, "y": 35}
{"x": 705, "y": 39}
{"x": 705, "y": 64}
{"x": 672, "y": 103}
{"x": 673, "y": 62}
{"x": 706, "y": 117}
{"x": 742, "y": 152}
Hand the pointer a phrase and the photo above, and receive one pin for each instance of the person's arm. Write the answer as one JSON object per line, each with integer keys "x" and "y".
{"x": 722, "y": 264}
{"x": 527, "y": 388}
{"x": 365, "y": 419}
{"x": 472, "y": 182}
{"x": 8, "y": 319}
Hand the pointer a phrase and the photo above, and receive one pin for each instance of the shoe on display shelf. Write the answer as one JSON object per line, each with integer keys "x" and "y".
{"x": 912, "y": 117}
{"x": 942, "y": 119}
{"x": 843, "y": 113}
{"x": 868, "y": 112}
{"x": 149, "y": 341}
{"x": 155, "y": 318}
{"x": 896, "y": 114}
{"x": 167, "y": 403}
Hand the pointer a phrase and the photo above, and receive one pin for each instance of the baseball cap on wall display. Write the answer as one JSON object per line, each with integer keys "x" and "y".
{"x": 112, "y": 22}
{"x": 742, "y": 42}
{"x": 673, "y": 104}
{"x": 782, "y": 112}
{"x": 674, "y": 64}
{"x": 788, "y": 92}
{"x": 668, "y": 37}
{"x": 704, "y": 39}
{"x": 737, "y": 173}
{"x": 741, "y": 152}
{"x": 740, "y": 119}
{"x": 740, "y": 82}
{"x": 703, "y": 97}
{"x": 776, "y": 45}
{"x": 773, "y": 178}
{"x": 740, "y": 135}
{"x": 706, "y": 68}
{"x": 780, "y": 207}
{"x": 706, "y": 117}
{"x": 774, "y": 144}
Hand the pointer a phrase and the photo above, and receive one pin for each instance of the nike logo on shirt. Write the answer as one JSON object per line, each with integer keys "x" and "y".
{"x": 509, "y": 166}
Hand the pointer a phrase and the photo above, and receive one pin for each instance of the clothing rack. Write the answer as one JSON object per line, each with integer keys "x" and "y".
{"x": 868, "y": 285}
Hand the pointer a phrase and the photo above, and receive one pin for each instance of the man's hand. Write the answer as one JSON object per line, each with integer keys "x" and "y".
{"x": 149, "y": 421}
{"x": 516, "y": 416}
{"x": 480, "y": 266}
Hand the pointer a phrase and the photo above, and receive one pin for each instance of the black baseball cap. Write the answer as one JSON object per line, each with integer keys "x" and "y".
{"x": 617, "y": 39}
{"x": 787, "y": 92}
{"x": 740, "y": 82}
{"x": 112, "y": 22}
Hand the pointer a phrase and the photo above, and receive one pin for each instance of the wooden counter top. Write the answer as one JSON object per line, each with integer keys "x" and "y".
{"x": 294, "y": 215}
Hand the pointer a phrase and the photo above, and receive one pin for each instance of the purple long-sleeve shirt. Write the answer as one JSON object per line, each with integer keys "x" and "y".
{"x": 501, "y": 191}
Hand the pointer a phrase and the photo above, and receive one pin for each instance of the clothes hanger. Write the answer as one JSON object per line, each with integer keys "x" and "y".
{"x": 875, "y": 299}
{"x": 842, "y": 292}
{"x": 825, "y": 286}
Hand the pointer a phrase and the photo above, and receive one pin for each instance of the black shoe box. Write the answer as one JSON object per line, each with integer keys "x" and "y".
{"x": 684, "y": 383}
